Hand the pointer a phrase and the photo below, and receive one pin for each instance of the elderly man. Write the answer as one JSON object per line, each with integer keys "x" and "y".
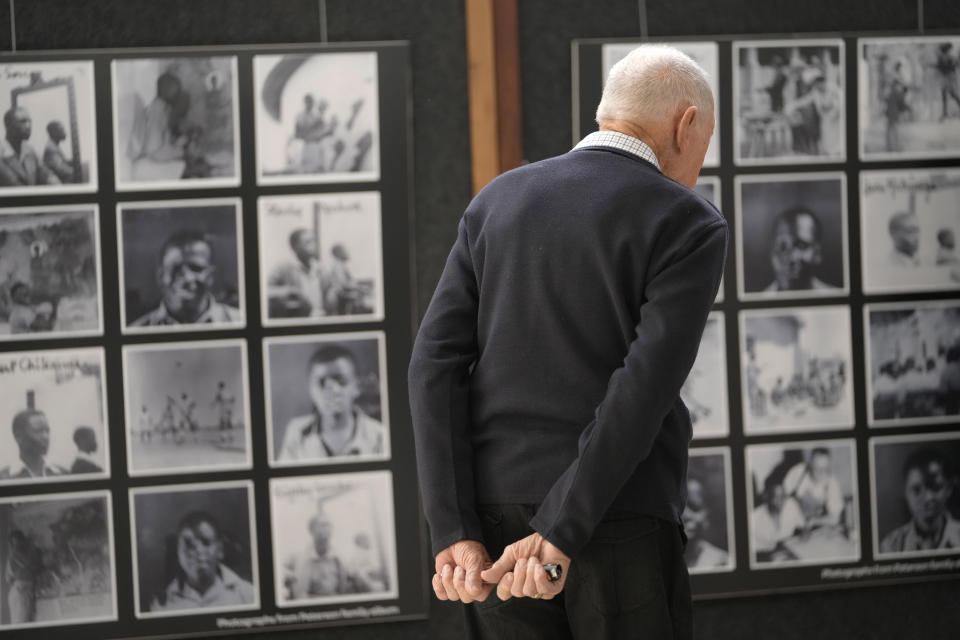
{"x": 19, "y": 164}
{"x": 186, "y": 277}
{"x": 545, "y": 378}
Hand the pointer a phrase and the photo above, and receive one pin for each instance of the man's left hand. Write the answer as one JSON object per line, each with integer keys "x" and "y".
{"x": 519, "y": 571}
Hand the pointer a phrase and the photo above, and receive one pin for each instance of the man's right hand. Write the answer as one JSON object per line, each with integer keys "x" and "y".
{"x": 458, "y": 570}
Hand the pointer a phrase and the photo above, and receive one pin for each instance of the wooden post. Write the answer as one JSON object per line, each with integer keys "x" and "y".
{"x": 493, "y": 72}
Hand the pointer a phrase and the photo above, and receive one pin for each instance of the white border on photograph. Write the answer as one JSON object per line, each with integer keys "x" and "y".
{"x": 314, "y": 339}
{"x": 716, "y": 183}
{"x": 237, "y": 205}
{"x": 81, "y": 495}
{"x": 130, "y": 419}
{"x": 104, "y": 440}
{"x": 909, "y": 438}
{"x": 48, "y": 335}
{"x": 855, "y": 484}
{"x": 183, "y": 183}
{"x": 390, "y": 534}
{"x": 378, "y": 312}
{"x": 185, "y": 488}
{"x": 737, "y": 45}
{"x": 863, "y": 105}
{"x": 722, "y": 347}
{"x": 745, "y": 400}
{"x": 917, "y": 285}
{"x": 868, "y": 361}
{"x": 92, "y": 185}
{"x": 800, "y": 294}
{"x": 728, "y": 504}
{"x": 316, "y": 178}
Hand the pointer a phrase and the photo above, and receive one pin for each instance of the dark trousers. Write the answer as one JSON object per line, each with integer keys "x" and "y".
{"x": 630, "y": 581}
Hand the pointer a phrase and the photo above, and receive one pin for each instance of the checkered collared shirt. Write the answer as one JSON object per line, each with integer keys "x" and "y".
{"x": 621, "y": 141}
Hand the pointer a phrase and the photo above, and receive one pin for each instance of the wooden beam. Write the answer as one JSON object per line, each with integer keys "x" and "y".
{"x": 493, "y": 72}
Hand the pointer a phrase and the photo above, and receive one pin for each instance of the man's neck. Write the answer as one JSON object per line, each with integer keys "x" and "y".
{"x": 188, "y": 314}
{"x": 932, "y": 531}
{"x": 34, "y": 464}
{"x": 16, "y": 145}
{"x": 634, "y": 130}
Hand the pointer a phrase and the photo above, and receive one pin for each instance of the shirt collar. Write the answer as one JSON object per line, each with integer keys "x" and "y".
{"x": 623, "y": 142}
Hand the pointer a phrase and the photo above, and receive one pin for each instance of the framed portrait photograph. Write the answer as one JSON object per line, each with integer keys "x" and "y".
{"x": 705, "y": 54}
{"x": 182, "y": 265}
{"x": 796, "y": 369}
{"x": 910, "y": 225}
{"x": 909, "y": 97}
{"x": 53, "y": 417}
{"x": 321, "y": 258}
{"x": 187, "y": 407}
{"x": 913, "y": 362}
{"x": 708, "y": 187}
{"x": 175, "y": 122}
{"x": 326, "y": 398}
{"x": 50, "y": 134}
{"x": 708, "y": 516}
{"x": 317, "y": 117}
{"x": 50, "y": 272}
{"x": 58, "y": 560}
{"x": 914, "y": 495}
{"x": 792, "y": 236}
{"x": 803, "y": 503}
{"x": 194, "y": 549}
{"x": 789, "y": 100}
{"x": 705, "y": 390}
{"x": 333, "y": 538}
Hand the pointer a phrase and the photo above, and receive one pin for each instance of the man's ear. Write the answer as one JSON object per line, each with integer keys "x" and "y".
{"x": 686, "y": 125}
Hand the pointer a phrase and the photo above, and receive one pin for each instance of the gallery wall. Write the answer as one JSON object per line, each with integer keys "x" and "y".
{"x": 435, "y": 29}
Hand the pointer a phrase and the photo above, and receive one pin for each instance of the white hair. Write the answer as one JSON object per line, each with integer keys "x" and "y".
{"x": 654, "y": 82}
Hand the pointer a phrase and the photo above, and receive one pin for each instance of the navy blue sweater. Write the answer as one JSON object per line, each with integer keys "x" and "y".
{"x": 548, "y": 366}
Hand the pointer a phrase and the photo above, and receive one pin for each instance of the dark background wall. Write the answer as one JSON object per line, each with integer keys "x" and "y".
{"x": 435, "y": 29}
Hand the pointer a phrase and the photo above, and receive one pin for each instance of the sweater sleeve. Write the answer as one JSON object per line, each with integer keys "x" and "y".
{"x": 640, "y": 393}
{"x": 439, "y": 388}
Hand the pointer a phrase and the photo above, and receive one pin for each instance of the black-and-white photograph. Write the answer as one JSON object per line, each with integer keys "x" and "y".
{"x": 792, "y": 236}
{"x": 175, "y": 122}
{"x": 909, "y": 97}
{"x": 333, "y": 538}
{"x": 803, "y": 503}
{"x": 321, "y": 258}
{"x": 317, "y": 117}
{"x": 187, "y": 407}
{"x": 796, "y": 369}
{"x": 708, "y": 516}
{"x": 57, "y": 555}
{"x": 705, "y": 54}
{"x": 913, "y": 362}
{"x": 326, "y": 398}
{"x": 914, "y": 493}
{"x": 709, "y": 188}
{"x": 50, "y": 278}
{"x": 50, "y": 134}
{"x": 194, "y": 549}
{"x": 53, "y": 418}
{"x": 789, "y": 100}
{"x": 910, "y": 226}
{"x": 182, "y": 265}
{"x": 705, "y": 390}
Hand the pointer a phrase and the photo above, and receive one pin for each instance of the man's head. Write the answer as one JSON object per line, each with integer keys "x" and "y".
{"x": 185, "y": 274}
{"x": 304, "y": 245}
{"x": 332, "y": 380}
{"x": 169, "y": 88}
{"x": 308, "y": 102}
{"x": 946, "y": 239}
{"x": 321, "y": 528}
{"x": 86, "y": 439}
{"x": 696, "y": 514}
{"x": 795, "y": 249}
{"x": 56, "y": 131}
{"x": 20, "y": 293}
{"x": 774, "y": 495}
{"x": 660, "y": 95}
{"x": 32, "y": 433}
{"x": 18, "y": 124}
{"x": 904, "y": 228}
{"x": 927, "y": 486}
{"x": 199, "y": 548}
{"x": 820, "y": 464}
